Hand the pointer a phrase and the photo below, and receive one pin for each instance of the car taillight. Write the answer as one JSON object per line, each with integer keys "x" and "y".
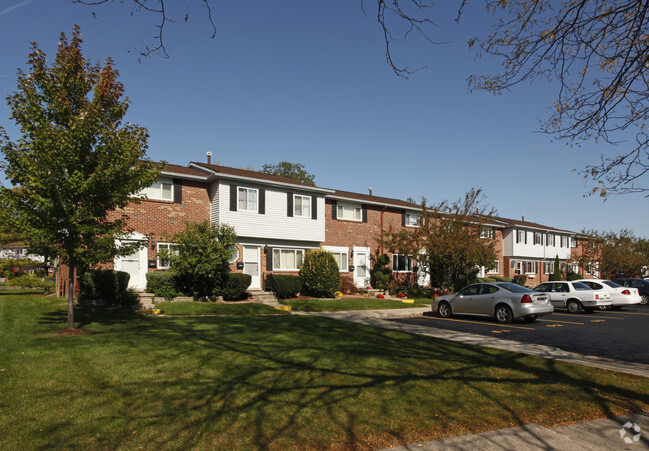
{"x": 626, "y": 292}
{"x": 526, "y": 299}
{"x": 596, "y": 296}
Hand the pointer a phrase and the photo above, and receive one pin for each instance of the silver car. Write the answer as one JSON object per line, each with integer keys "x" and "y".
{"x": 504, "y": 301}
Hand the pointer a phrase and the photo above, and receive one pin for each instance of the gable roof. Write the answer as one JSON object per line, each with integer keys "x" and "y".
{"x": 374, "y": 200}
{"x": 532, "y": 225}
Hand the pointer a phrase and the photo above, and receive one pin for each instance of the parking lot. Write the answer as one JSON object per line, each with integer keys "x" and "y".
{"x": 621, "y": 335}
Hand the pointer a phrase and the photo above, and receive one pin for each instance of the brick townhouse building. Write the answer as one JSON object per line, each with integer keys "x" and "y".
{"x": 277, "y": 220}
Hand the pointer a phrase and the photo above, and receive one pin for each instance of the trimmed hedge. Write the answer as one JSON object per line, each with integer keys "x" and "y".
{"x": 284, "y": 286}
{"x": 235, "y": 286}
{"x": 520, "y": 279}
{"x": 321, "y": 274}
{"x": 162, "y": 283}
{"x": 106, "y": 284}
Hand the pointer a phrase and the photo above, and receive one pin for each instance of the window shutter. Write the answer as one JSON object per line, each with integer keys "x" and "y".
{"x": 364, "y": 212}
{"x": 262, "y": 201}
{"x": 178, "y": 191}
{"x": 233, "y": 197}
{"x": 334, "y": 210}
{"x": 525, "y": 232}
{"x": 269, "y": 259}
{"x": 314, "y": 207}
{"x": 289, "y": 205}
{"x": 403, "y": 218}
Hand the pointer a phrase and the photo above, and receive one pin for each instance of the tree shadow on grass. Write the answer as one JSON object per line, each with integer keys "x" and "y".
{"x": 304, "y": 382}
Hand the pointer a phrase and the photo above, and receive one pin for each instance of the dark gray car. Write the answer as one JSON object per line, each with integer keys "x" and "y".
{"x": 504, "y": 301}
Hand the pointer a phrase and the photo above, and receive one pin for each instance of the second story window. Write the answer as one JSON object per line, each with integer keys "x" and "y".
{"x": 549, "y": 239}
{"x": 349, "y": 212}
{"x": 247, "y": 199}
{"x": 521, "y": 236}
{"x": 538, "y": 238}
{"x": 160, "y": 190}
{"x": 564, "y": 241}
{"x": 573, "y": 241}
{"x": 487, "y": 232}
{"x": 411, "y": 220}
{"x": 302, "y": 206}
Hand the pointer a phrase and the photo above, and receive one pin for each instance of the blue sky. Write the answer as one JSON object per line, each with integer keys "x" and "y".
{"x": 307, "y": 82}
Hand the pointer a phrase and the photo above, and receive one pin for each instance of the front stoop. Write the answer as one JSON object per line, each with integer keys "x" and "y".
{"x": 263, "y": 297}
{"x": 145, "y": 301}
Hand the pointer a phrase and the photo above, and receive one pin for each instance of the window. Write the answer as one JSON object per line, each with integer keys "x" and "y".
{"x": 341, "y": 255}
{"x": 564, "y": 241}
{"x": 302, "y": 206}
{"x": 235, "y": 254}
{"x": 573, "y": 241}
{"x": 401, "y": 263}
{"x": 160, "y": 190}
{"x": 591, "y": 268}
{"x": 548, "y": 267}
{"x": 538, "y": 238}
{"x": 165, "y": 248}
{"x": 470, "y": 290}
{"x": 349, "y": 212}
{"x": 411, "y": 220}
{"x": 487, "y": 232}
{"x": 247, "y": 199}
{"x": 495, "y": 269}
{"x": 529, "y": 267}
{"x": 549, "y": 239}
{"x": 575, "y": 267}
{"x": 521, "y": 236}
{"x": 287, "y": 259}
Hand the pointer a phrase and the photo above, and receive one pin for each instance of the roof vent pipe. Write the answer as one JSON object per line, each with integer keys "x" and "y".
{"x": 523, "y": 218}
{"x": 370, "y": 188}
{"x": 209, "y": 157}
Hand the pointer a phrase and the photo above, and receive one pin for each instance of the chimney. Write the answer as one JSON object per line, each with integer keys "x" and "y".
{"x": 523, "y": 218}
{"x": 370, "y": 188}
{"x": 209, "y": 157}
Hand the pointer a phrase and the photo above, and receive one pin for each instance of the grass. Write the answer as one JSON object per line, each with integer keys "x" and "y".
{"x": 331, "y": 305}
{"x": 269, "y": 382}
{"x": 209, "y": 308}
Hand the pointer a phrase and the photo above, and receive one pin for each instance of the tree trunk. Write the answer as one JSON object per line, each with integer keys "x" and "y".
{"x": 71, "y": 296}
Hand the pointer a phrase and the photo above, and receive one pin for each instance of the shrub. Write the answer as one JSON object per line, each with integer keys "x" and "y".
{"x": 321, "y": 274}
{"x": 556, "y": 274}
{"x": 347, "y": 285}
{"x": 419, "y": 292}
{"x": 29, "y": 281}
{"x": 573, "y": 276}
{"x": 162, "y": 283}
{"x": 381, "y": 272}
{"x": 284, "y": 286}
{"x": 501, "y": 279}
{"x": 520, "y": 279}
{"x": 486, "y": 279}
{"x": 106, "y": 284}
{"x": 235, "y": 286}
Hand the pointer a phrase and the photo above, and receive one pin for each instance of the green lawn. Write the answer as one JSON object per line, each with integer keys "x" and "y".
{"x": 213, "y": 308}
{"x": 270, "y": 382}
{"x": 331, "y": 305}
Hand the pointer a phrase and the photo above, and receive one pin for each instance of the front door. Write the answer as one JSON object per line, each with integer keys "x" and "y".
{"x": 361, "y": 267}
{"x": 251, "y": 266}
{"x": 136, "y": 265}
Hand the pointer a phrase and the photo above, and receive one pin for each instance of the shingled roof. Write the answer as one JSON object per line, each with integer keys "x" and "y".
{"x": 374, "y": 199}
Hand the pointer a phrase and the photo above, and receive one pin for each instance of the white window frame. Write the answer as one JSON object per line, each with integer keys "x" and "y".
{"x": 302, "y": 211}
{"x": 538, "y": 238}
{"x": 529, "y": 265}
{"x": 521, "y": 235}
{"x": 408, "y": 262}
{"x": 411, "y": 220}
{"x": 340, "y": 251}
{"x": 564, "y": 241}
{"x": 157, "y": 192}
{"x": 575, "y": 267}
{"x": 349, "y": 212}
{"x": 249, "y": 205}
{"x": 160, "y": 263}
{"x": 495, "y": 269}
{"x": 549, "y": 239}
{"x": 278, "y": 261}
{"x": 548, "y": 267}
{"x": 573, "y": 241}
{"x": 487, "y": 233}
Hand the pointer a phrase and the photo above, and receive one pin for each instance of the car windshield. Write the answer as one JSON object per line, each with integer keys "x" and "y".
{"x": 514, "y": 288}
{"x": 580, "y": 286}
{"x": 612, "y": 284}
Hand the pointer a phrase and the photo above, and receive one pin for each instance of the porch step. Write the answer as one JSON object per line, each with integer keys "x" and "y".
{"x": 145, "y": 301}
{"x": 263, "y": 297}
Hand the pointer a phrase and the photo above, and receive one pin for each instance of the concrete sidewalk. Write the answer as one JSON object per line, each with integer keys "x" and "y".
{"x": 624, "y": 432}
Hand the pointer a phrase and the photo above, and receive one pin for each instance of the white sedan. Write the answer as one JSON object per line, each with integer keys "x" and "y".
{"x": 620, "y": 295}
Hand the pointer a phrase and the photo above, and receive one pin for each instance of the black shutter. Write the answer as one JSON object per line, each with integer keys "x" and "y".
{"x": 289, "y": 205}
{"x": 262, "y": 201}
{"x": 364, "y": 212}
{"x": 526, "y": 237}
{"x": 269, "y": 258}
{"x": 233, "y": 197}
{"x": 314, "y": 207}
{"x": 403, "y": 218}
{"x": 178, "y": 191}
{"x": 334, "y": 210}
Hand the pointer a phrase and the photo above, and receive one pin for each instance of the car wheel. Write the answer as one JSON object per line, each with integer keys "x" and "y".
{"x": 444, "y": 310}
{"x": 645, "y": 299}
{"x": 503, "y": 314}
{"x": 574, "y": 306}
{"x": 607, "y": 307}
{"x": 530, "y": 319}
